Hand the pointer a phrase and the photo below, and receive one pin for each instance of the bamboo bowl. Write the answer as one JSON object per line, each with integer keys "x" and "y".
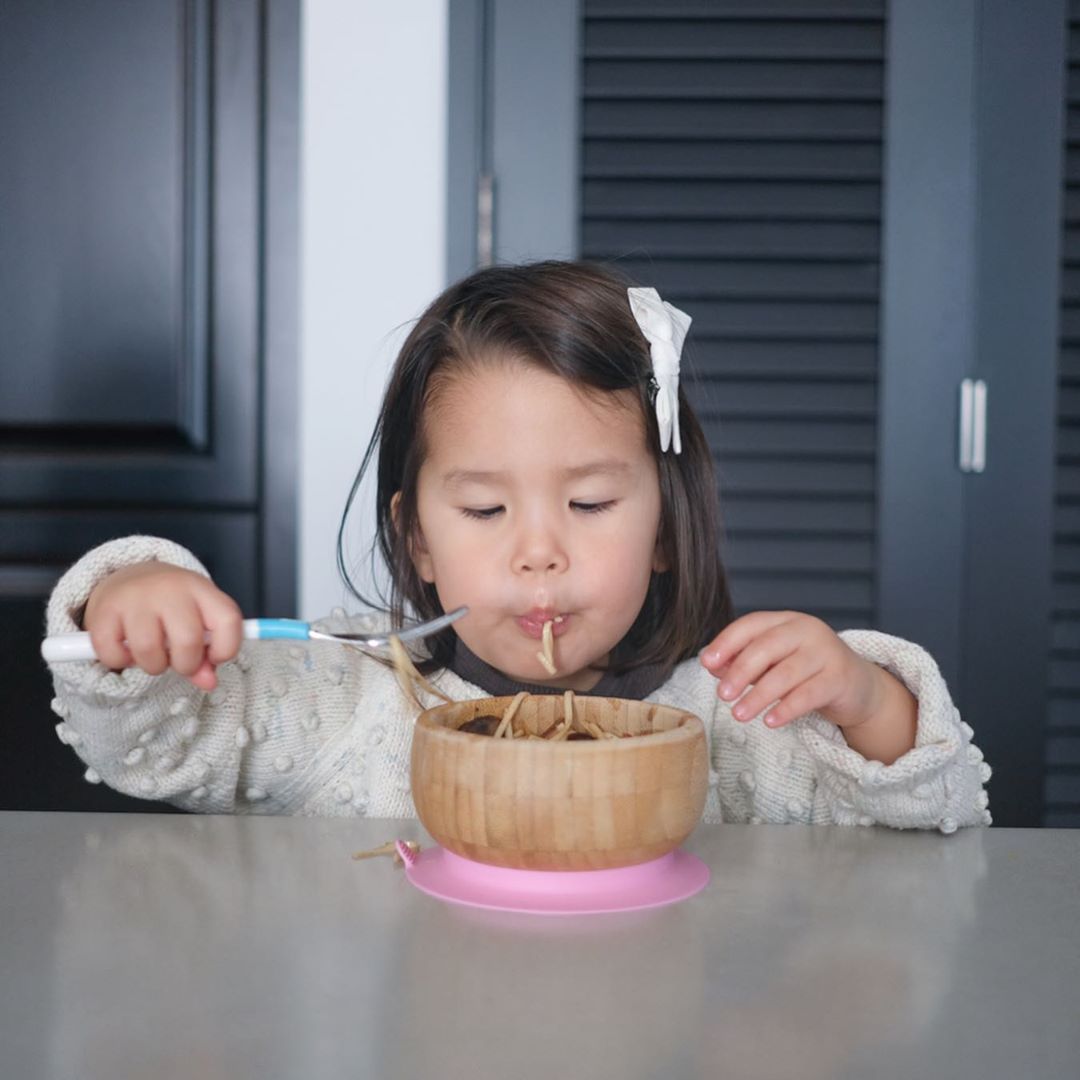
{"x": 588, "y": 805}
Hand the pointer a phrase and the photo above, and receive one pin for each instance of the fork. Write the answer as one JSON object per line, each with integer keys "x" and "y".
{"x": 63, "y": 648}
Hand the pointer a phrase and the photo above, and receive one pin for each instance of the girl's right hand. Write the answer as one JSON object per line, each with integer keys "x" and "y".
{"x": 156, "y": 616}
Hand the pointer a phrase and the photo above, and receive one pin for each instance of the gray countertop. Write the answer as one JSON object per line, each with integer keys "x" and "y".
{"x": 200, "y": 947}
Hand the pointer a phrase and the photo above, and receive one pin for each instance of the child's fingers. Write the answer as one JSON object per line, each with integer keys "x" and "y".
{"x": 205, "y": 678}
{"x": 758, "y": 657}
{"x": 737, "y": 635}
{"x": 774, "y": 685}
{"x": 225, "y": 624}
{"x": 185, "y": 637}
{"x": 805, "y": 698}
{"x": 146, "y": 642}
{"x": 778, "y": 681}
{"x": 107, "y": 637}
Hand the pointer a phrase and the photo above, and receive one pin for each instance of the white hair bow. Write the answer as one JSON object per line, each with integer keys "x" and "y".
{"x": 665, "y": 330}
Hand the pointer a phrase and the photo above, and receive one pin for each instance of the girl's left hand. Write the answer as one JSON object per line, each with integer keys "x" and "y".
{"x": 798, "y": 662}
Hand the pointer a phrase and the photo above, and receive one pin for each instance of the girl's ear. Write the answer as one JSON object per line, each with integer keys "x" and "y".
{"x": 418, "y": 550}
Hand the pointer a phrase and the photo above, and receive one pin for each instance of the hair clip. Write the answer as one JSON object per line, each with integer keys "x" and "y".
{"x": 664, "y": 327}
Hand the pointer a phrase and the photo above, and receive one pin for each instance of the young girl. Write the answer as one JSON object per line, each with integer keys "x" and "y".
{"x": 537, "y": 462}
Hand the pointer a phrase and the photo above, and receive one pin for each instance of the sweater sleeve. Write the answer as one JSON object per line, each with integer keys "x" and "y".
{"x": 291, "y": 728}
{"x": 939, "y": 783}
{"x": 806, "y": 772}
{"x": 151, "y": 736}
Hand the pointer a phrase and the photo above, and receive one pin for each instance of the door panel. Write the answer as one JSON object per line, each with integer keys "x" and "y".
{"x": 148, "y": 298}
{"x": 129, "y": 263}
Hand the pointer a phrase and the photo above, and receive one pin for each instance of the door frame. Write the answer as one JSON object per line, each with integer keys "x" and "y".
{"x": 279, "y": 308}
{"x": 510, "y": 59}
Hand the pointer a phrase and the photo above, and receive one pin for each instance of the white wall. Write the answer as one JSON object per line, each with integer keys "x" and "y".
{"x": 372, "y": 247}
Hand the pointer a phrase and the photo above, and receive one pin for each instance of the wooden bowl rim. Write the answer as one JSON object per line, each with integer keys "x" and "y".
{"x": 690, "y": 727}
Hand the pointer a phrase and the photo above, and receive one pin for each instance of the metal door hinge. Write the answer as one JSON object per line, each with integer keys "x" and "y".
{"x": 972, "y": 425}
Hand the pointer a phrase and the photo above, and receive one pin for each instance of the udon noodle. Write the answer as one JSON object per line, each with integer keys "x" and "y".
{"x": 409, "y": 678}
{"x": 547, "y": 655}
{"x": 572, "y": 724}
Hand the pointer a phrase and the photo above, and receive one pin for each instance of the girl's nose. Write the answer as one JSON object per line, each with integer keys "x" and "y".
{"x": 539, "y": 551}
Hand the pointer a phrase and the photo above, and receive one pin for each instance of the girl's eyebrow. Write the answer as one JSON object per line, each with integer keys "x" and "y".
{"x": 460, "y": 477}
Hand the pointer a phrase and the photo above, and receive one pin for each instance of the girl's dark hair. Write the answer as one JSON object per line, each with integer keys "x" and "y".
{"x": 572, "y": 319}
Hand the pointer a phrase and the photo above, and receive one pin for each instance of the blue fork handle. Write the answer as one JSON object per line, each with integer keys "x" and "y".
{"x": 268, "y": 629}
{"x": 66, "y": 648}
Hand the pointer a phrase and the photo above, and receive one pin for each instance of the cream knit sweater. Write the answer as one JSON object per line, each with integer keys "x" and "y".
{"x": 319, "y": 728}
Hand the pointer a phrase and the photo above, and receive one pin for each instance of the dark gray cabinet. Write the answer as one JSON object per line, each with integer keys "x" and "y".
{"x": 148, "y": 156}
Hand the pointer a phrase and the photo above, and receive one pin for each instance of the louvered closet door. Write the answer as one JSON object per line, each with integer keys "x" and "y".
{"x": 731, "y": 157}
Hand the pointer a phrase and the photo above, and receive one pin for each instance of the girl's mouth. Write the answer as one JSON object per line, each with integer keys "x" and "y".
{"x": 532, "y": 623}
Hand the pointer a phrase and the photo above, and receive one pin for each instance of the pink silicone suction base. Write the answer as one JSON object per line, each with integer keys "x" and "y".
{"x": 672, "y": 877}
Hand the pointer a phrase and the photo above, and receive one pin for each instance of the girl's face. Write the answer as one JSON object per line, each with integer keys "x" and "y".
{"x": 537, "y": 503}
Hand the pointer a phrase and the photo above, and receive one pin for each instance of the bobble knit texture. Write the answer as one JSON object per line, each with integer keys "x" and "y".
{"x": 323, "y": 729}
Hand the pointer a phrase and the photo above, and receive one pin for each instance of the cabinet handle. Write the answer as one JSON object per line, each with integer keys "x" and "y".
{"x": 966, "y": 397}
{"x": 978, "y": 433}
{"x": 972, "y": 425}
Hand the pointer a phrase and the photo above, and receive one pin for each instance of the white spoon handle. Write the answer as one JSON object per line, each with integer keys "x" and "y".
{"x": 68, "y": 648}
{"x": 61, "y": 648}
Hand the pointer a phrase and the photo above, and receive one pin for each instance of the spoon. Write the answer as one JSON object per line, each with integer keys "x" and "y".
{"x": 62, "y": 648}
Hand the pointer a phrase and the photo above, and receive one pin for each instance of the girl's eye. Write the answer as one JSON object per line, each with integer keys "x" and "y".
{"x": 485, "y": 513}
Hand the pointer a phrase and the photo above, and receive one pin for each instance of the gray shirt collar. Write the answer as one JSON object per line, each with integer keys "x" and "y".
{"x": 635, "y": 684}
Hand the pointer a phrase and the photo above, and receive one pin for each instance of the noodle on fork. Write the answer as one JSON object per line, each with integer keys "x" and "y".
{"x": 409, "y": 678}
